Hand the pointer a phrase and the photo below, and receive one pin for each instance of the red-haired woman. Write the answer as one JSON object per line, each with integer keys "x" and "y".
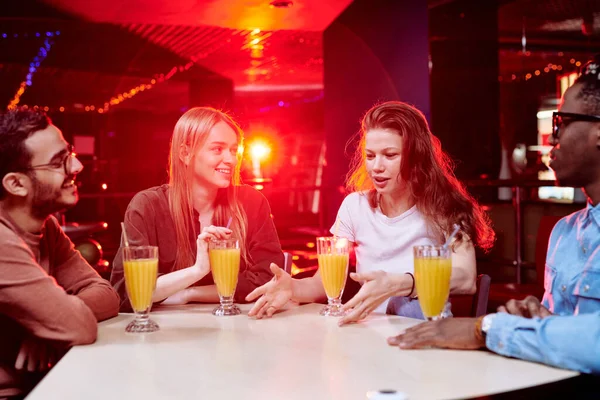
{"x": 404, "y": 193}
{"x": 203, "y": 193}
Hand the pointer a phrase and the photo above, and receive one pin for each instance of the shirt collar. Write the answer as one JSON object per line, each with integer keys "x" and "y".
{"x": 594, "y": 211}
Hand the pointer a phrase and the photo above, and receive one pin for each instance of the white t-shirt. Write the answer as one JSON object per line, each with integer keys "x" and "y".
{"x": 382, "y": 243}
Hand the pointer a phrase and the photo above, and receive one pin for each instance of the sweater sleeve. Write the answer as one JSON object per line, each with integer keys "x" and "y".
{"x": 77, "y": 277}
{"x": 263, "y": 247}
{"x": 32, "y": 298}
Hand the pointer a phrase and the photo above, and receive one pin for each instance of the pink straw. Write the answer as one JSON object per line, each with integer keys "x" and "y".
{"x": 228, "y": 223}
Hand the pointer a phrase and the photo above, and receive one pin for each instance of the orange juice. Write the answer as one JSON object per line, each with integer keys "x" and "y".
{"x": 432, "y": 278}
{"x": 334, "y": 269}
{"x": 140, "y": 279}
{"x": 225, "y": 267}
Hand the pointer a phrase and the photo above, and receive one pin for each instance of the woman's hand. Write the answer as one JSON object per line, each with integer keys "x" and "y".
{"x": 376, "y": 289}
{"x": 273, "y": 295}
{"x": 202, "y": 263}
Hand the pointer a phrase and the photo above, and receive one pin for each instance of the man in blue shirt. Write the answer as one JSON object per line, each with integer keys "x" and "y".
{"x": 527, "y": 329}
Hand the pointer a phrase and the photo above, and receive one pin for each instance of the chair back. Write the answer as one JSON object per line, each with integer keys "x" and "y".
{"x": 474, "y": 305}
{"x": 480, "y": 298}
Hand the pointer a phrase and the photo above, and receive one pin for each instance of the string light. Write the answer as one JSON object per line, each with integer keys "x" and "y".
{"x": 7, "y": 35}
{"x": 123, "y": 96}
{"x": 33, "y": 66}
{"x": 550, "y": 67}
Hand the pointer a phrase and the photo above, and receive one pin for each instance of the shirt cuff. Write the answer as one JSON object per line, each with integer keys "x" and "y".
{"x": 500, "y": 336}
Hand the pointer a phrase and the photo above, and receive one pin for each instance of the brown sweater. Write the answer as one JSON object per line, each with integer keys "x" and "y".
{"x": 47, "y": 291}
{"x": 148, "y": 221}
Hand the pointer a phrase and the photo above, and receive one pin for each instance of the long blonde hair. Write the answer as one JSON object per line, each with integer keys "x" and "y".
{"x": 191, "y": 131}
{"x": 428, "y": 173}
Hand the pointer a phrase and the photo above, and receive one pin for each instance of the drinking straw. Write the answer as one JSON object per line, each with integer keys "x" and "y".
{"x": 454, "y": 232}
{"x": 124, "y": 234}
{"x": 228, "y": 223}
{"x": 335, "y": 228}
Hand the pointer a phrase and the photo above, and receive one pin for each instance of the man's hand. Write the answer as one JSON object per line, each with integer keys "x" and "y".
{"x": 449, "y": 333}
{"x": 530, "y": 307}
{"x": 36, "y": 355}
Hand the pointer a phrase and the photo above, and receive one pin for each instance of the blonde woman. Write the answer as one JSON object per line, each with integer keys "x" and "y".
{"x": 203, "y": 193}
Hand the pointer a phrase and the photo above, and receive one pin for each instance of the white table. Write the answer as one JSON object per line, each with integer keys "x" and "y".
{"x": 297, "y": 354}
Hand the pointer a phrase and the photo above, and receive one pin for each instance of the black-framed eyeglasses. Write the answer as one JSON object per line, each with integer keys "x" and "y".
{"x": 561, "y": 119}
{"x": 66, "y": 162}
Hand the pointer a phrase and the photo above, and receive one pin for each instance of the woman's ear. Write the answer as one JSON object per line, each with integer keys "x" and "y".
{"x": 184, "y": 154}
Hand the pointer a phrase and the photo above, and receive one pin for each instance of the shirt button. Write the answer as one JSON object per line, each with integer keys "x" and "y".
{"x": 584, "y": 250}
{"x": 500, "y": 345}
{"x": 563, "y": 288}
{"x": 586, "y": 288}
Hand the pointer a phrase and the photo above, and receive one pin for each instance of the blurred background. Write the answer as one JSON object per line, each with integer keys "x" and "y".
{"x": 116, "y": 75}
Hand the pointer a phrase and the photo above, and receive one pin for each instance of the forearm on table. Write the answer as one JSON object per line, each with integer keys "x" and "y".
{"x": 203, "y": 294}
{"x": 308, "y": 290}
{"x": 102, "y": 300}
{"x": 171, "y": 283}
{"x": 548, "y": 340}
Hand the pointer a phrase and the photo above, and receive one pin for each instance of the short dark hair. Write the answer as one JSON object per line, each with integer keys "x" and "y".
{"x": 590, "y": 85}
{"x": 15, "y": 127}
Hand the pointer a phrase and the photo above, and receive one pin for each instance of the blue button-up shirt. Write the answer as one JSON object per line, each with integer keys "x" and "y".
{"x": 572, "y": 290}
{"x": 571, "y": 342}
{"x": 572, "y": 278}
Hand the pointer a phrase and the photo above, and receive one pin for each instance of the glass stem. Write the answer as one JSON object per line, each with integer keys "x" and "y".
{"x": 142, "y": 316}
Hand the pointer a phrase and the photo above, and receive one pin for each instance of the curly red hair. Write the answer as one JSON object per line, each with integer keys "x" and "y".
{"x": 428, "y": 172}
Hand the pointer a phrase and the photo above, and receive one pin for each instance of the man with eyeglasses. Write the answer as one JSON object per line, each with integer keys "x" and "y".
{"x": 563, "y": 330}
{"x": 50, "y": 297}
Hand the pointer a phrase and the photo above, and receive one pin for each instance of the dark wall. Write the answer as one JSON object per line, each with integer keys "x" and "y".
{"x": 214, "y": 92}
{"x": 464, "y": 83}
{"x": 376, "y": 50}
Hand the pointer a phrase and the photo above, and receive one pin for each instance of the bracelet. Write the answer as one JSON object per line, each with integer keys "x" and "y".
{"x": 412, "y": 289}
{"x": 478, "y": 332}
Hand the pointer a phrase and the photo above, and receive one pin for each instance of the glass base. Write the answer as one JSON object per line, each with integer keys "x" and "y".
{"x": 142, "y": 326}
{"x": 230, "y": 309}
{"x": 333, "y": 310}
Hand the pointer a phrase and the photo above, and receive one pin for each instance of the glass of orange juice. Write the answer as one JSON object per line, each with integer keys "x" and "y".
{"x": 333, "y": 256}
{"x": 224, "y": 256}
{"x": 140, "y": 265}
{"x": 433, "y": 269}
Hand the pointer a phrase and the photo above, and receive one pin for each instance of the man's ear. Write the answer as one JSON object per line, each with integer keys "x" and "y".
{"x": 184, "y": 154}
{"x": 15, "y": 184}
